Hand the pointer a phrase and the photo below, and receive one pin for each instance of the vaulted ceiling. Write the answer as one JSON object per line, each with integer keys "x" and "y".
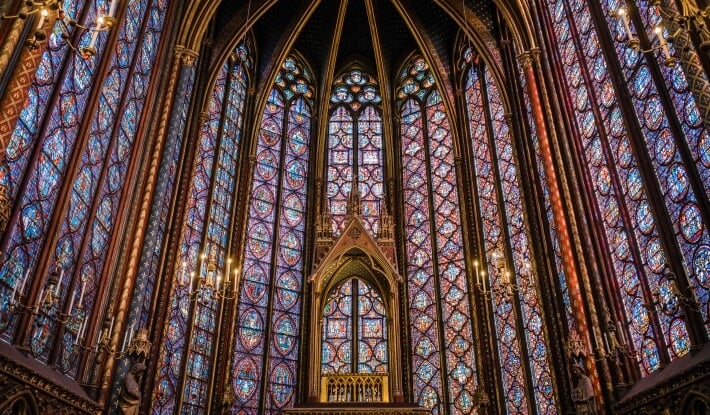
{"x": 330, "y": 34}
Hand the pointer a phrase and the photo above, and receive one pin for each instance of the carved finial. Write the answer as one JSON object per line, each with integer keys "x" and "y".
{"x": 353, "y": 208}
{"x": 386, "y": 223}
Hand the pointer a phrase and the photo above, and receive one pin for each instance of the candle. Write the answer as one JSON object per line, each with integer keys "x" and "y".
{"x": 183, "y": 274}
{"x": 236, "y": 280}
{"x": 24, "y": 281}
{"x": 112, "y": 10}
{"x": 71, "y": 302}
{"x": 606, "y": 342}
{"x": 59, "y": 283}
{"x": 226, "y": 274}
{"x": 110, "y": 329}
{"x": 42, "y": 16}
{"x": 39, "y": 298}
{"x": 81, "y": 296}
{"x": 662, "y": 43}
{"x": 94, "y": 38}
{"x": 125, "y": 338}
{"x": 625, "y": 21}
{"x": 130, "y": 335}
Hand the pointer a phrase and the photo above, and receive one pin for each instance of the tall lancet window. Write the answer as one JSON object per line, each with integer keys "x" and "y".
{"x": 355, "y": 147}
{"x": 522, "y": 351}
{"x": 187, "y": 349}
{"x": 65, "y": 143}
{"x": 267, "y": 326}
{"x": 647, "y": 158}
{"x": 438, "y": 291}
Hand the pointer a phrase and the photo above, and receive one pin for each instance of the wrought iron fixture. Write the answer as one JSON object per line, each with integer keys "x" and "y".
{"x": 44, "y": 12}
{"x": 634, "y": 43}
{"x": 506, "y": 287}
{"x": 210, "y": 285}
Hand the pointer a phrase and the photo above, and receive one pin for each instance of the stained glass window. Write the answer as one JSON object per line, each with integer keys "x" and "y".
{"x": 624, "y": 195}
{"x": 47, "y": 156}
{"x": 517, "y": 318}
{"x": 340, "y": 353}
{"x": 267, "y": 326}
{"x": 206, "y": 228}
{"x": 438, "y": 292}
{"x": 355, "y": 146}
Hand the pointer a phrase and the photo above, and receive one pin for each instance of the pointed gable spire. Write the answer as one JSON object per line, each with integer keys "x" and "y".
{"x": 353, "y": 208}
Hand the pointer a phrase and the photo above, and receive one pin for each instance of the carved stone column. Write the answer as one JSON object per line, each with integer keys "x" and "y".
{"x": 150, "y": 229}
{"x": 563, "y": 230}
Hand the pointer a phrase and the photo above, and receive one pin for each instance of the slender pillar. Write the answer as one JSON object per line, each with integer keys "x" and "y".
{"x": 160, "y": 178}
{"x": 559, "y": 217}
{"x": 10, "y": 43}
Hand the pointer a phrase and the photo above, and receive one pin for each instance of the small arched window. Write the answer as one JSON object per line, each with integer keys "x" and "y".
{"x": 354, "y": 338}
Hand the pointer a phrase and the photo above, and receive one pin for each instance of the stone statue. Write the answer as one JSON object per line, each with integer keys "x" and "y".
{"x": 129, "y": 401}
{"x": 582, "y": 392}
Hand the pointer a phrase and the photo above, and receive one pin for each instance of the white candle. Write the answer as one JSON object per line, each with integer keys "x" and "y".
{"x": 42, "y": 16}
{"x": 625, "y": 21}
{"x": 606, "y": 342}
{"x": 112, "y": 10}
{"x": 94, "y": 37}
{"x": 71, "y": 302}
{"x": 24, "y": 281}
{"x": 110, "y": 329}
{"x": 81, "y": 296}
{"x": 59, "y": 283}
{"x": 81, "y": 329}
{"x": 125, "y": 337}
{"x": 662, "y": 42}
{"x": 39, "y": 298}
{"x": 130, "y": 335}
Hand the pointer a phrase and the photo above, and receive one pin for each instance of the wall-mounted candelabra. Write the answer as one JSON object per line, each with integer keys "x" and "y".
{"x": 633, "y": 42}
{"x": 682, "y": 22}
{"x": 506, "y": 287}
{"x": 210, "y": 285}
{"x": 668, "y": 296}
{"x": 45, "y": 12}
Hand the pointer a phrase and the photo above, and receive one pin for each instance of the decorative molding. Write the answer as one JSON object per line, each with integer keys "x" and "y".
{"x": 674, "y": 391}
{"x": 18, "y": 380}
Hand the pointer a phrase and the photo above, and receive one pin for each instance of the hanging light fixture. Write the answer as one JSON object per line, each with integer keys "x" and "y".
{"x": 51, "y": 10}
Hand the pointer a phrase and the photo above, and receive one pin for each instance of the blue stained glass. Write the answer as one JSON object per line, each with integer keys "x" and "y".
{"x": 280, "y": 178}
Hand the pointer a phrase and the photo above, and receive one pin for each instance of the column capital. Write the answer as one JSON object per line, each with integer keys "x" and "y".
{"x": 526, "y": 59}
{"x": 186, "y": 56}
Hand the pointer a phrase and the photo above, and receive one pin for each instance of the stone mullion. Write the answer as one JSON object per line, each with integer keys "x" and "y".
{"x": 236, "y": 241}
{"x": 467, "y": 194}
{"x": 573, "y": 281}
